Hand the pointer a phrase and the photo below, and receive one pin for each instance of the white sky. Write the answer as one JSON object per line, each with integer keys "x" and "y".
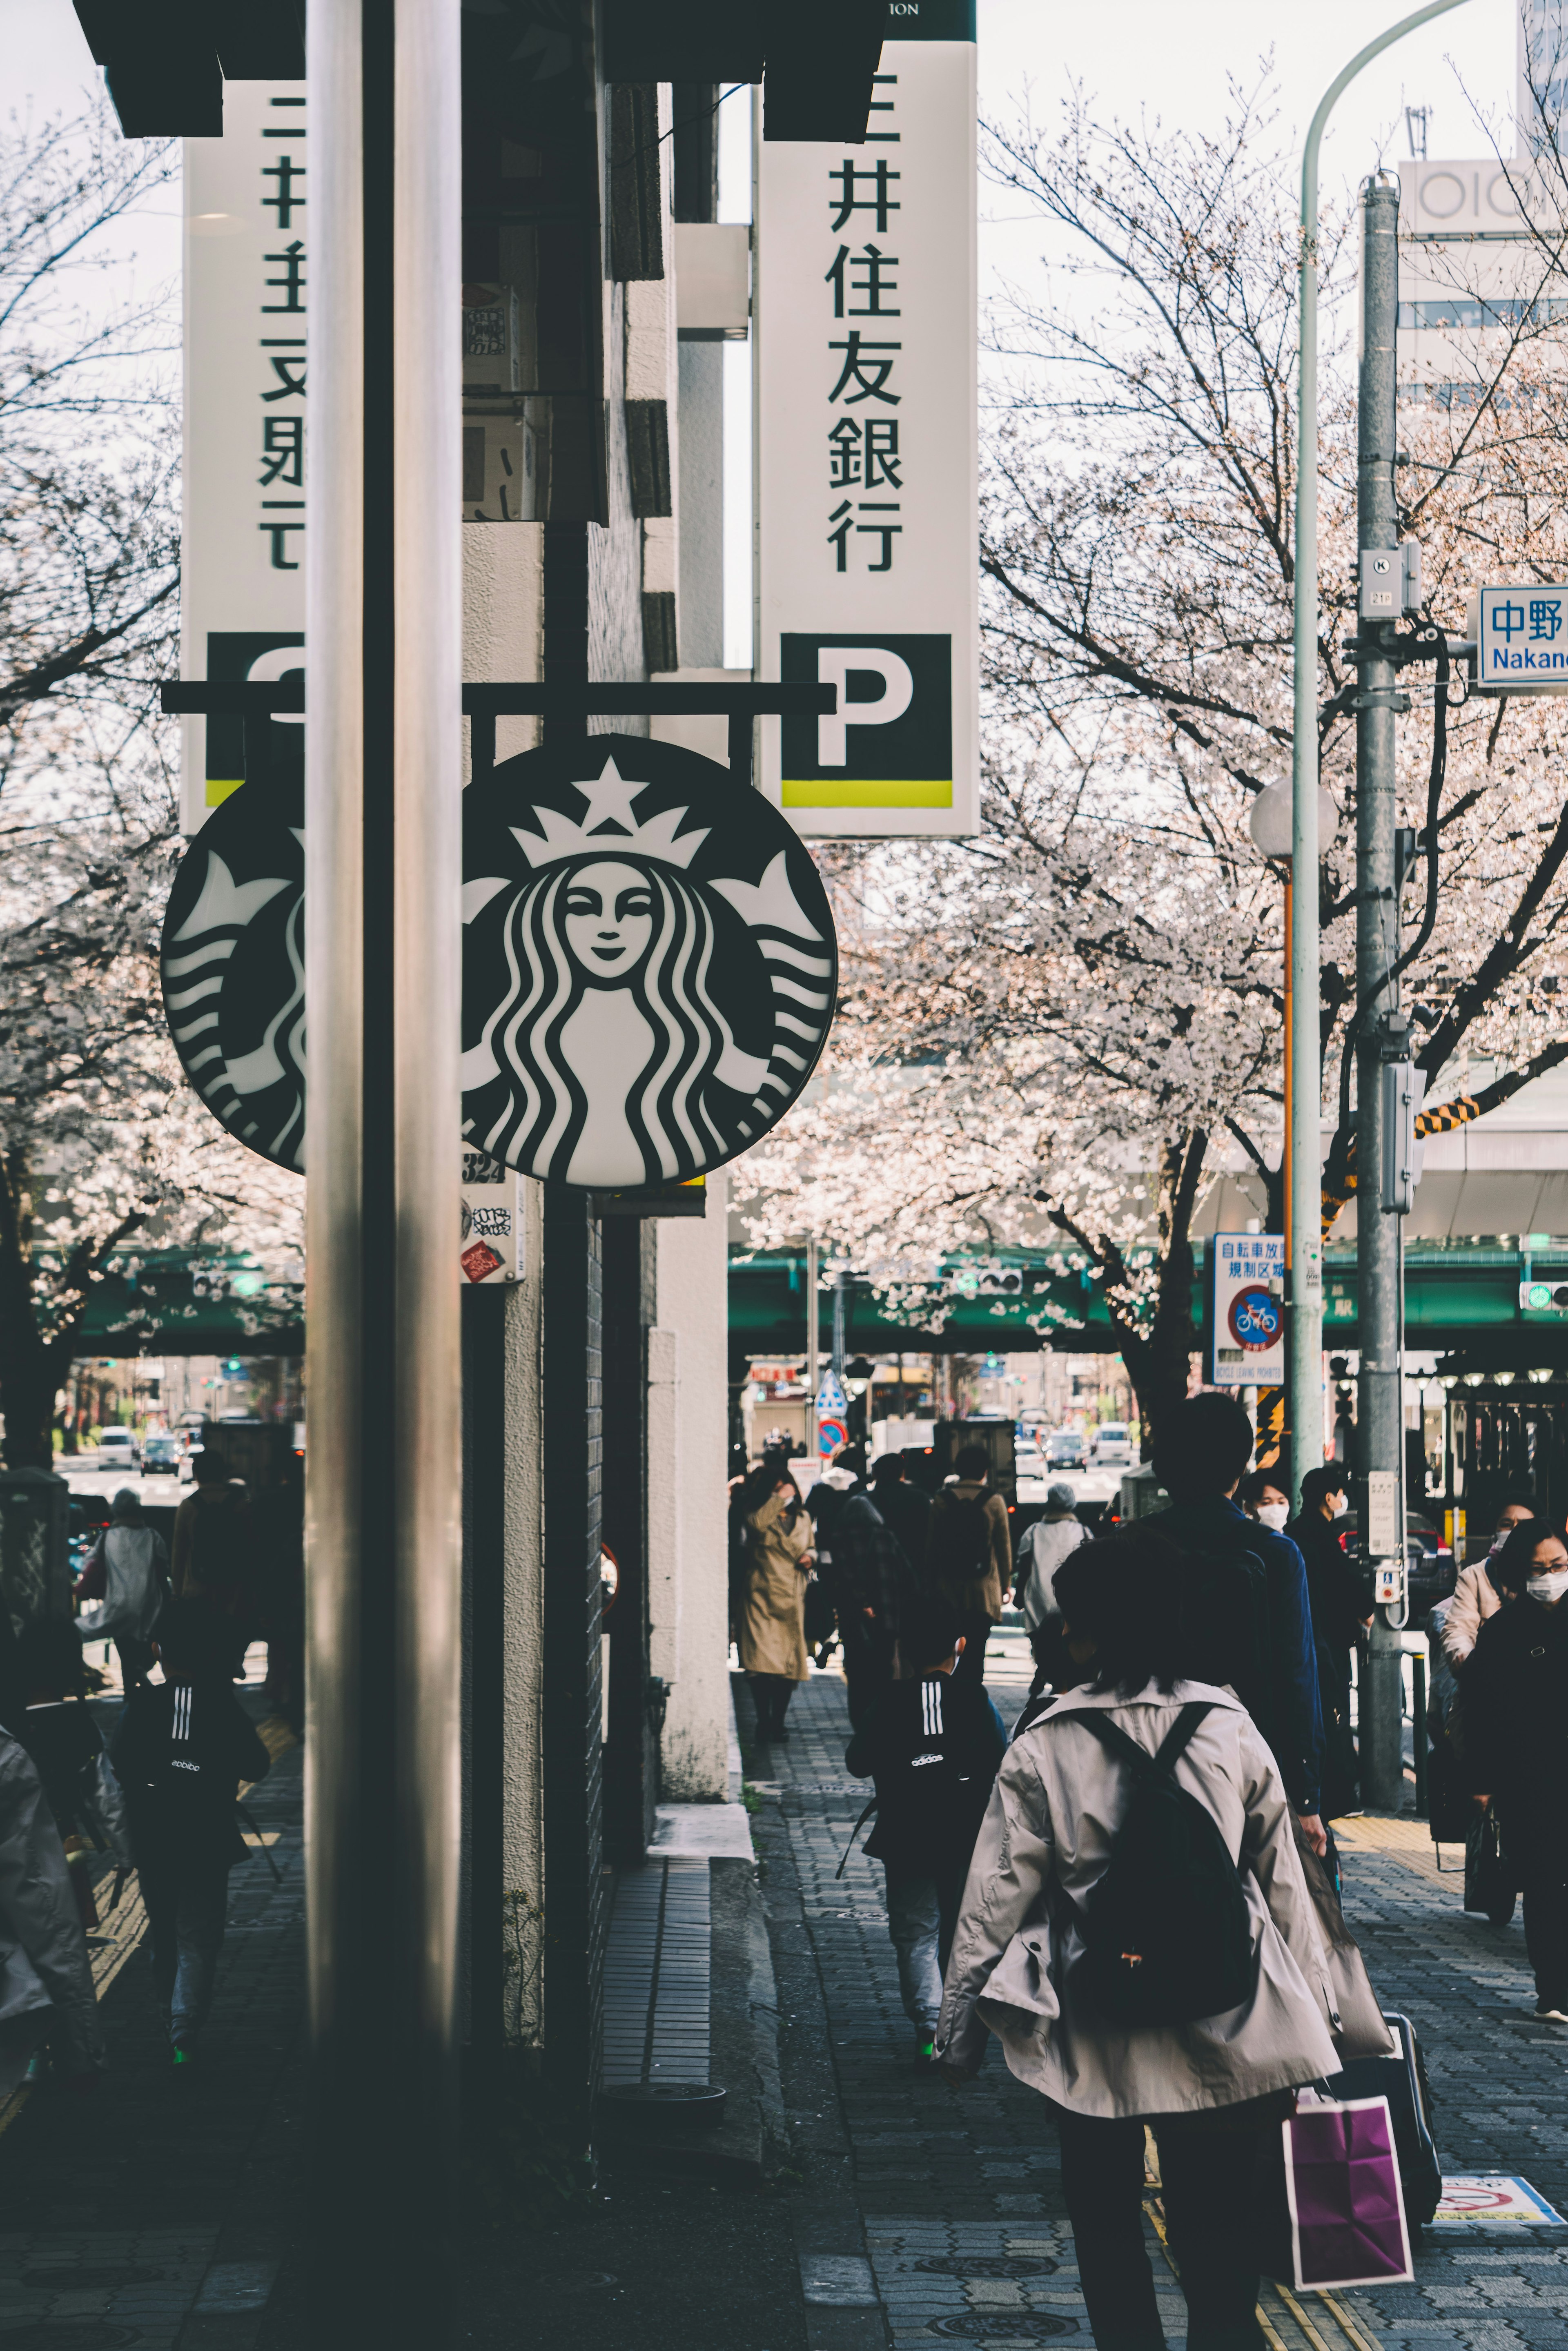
{"x": 1166, "y": 59}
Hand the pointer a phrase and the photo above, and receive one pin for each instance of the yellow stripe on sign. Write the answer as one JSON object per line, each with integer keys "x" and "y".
{"x": 826, "y": 794}
{"x": 218, "y": 793}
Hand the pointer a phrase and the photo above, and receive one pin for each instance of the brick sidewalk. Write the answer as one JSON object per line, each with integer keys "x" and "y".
{"x": 958, "y": 2214}
{"x": 154, "y": 2213}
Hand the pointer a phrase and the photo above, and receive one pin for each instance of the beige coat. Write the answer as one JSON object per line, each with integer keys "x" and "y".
{"x": 1048, "y": 1832}
{"x": 1475, "y": 1599}
{"x": 773, "y": 1621}
{"x": 972, "y": 1593}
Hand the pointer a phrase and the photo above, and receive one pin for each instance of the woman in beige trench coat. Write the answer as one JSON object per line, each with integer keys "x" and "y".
{"x": 771, "y": 1634}
{"x": 1205, "y": 2087}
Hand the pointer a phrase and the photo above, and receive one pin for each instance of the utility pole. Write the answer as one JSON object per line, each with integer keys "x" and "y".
{"x": 813, "y": 1347}
{"x": 841, "y": 1279}
{"x": 1380, "y": 1444}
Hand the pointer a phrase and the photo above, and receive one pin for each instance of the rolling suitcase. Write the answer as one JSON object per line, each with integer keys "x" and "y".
{"x": 1401, "y": 2078}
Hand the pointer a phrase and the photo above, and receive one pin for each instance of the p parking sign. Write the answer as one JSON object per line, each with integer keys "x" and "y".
{"x": 890, "y": 745}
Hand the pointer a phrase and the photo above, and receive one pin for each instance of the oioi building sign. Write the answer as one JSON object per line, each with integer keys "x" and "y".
{"x": 867, "y": 447}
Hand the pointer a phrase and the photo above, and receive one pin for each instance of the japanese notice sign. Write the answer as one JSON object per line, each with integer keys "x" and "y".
{"x": 246, "y": 279}
{"x": 1248, "y": 1273}
{"x": 1522, "y": 639}
{"x": 866, "y": 409}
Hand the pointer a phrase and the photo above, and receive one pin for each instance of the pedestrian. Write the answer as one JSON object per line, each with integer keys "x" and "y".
{"x": 932, "y": 1744}
{"x": 47, "y": 1998}
{"x": 1477, "y": 1593}
{"x": 1341, "y": 1614}
{"x": 1514, "y": 1693}
{"x": 181, "y": 1749}
{"x": 843, "y": 1476}
{"x": 1042, "y": 1549}
{"x": 1265, "y": 1500}
{"x": 905, "y": 1506}
{"x": 1206, "y": 2088}
{"x": 127, "y": 1575}
{"x": 1262, "y": 1624}
{"x": 873, "y": 1586}
{"x": 60, "y": 1730}
{"x": 214, "y": 1542}
{"x": 771, "y": 1634}
{"x": 969, "y": 1554}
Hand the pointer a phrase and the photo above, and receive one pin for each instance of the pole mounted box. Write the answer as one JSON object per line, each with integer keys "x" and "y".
{"x": 1403, "y": 1087}
{"x": 1390, "y": 581}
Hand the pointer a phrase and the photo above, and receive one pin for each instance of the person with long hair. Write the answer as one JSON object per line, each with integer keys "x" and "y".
{"x": 771, "y": 1632}
{"x": 1205, "y": 2088}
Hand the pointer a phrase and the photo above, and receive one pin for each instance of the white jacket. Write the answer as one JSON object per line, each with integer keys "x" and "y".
{"x": 1041, "y": 1551}
{"x": 136, "y": 1584}
{"x": 1476, "y": 1598}
{"x": 1058, "y": 1800}
{"x": 45, "y": 1977}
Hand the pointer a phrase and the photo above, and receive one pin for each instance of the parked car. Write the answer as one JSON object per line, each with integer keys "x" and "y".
{"x": 1064, "y": 1450}
{"x": 117, "y": 1448}
{"x": 1113, "y": 1447}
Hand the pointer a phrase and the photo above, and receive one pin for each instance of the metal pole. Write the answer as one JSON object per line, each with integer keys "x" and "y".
{"x": 1304, "y": 1359}
{"x": 841, "y": 1295}
{"x": 1379, "y": 1435}
{"x": 382, "y": 822}
{"x": 814, "y": 1346}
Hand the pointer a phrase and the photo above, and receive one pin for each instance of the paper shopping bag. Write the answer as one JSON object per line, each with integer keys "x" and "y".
{"x": 1341, "y": 2183}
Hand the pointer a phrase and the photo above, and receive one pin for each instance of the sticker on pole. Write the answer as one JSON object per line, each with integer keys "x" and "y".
{"x": 1493, "y": 2201}
{"x": 1249, "y": 1310}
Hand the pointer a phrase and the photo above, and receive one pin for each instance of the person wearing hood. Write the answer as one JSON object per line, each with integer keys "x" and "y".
{"x": 1478, "y": 1594}
{"x": 1515, "y": 1699}
{"x": 1337, "y": 1597}
{"x": 127, "y": 1578}
{"x": 1041, "y": 1551}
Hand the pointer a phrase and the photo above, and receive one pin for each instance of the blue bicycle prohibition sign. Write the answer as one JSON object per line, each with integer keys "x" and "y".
{"x": 1255, "y": 1318}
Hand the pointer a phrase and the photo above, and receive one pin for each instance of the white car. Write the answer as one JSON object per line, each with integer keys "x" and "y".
{"x": 1112, "y": 1448}
{"x": 117, "y": 1447}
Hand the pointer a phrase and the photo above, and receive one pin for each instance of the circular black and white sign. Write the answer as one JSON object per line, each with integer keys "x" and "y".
{"x": 649, "y": 964}
{"x": 233, "y": 968}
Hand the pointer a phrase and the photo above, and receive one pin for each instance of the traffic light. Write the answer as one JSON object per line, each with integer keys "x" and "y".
{"x": 1543, "y": 1297}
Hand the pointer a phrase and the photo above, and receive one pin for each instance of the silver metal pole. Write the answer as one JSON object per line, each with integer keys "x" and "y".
{"x": 383, "y": 1497}
{"x": 1305, "y": 1360}
{"x": 1379, "y": 1431}
{"x": 814, "y": 1346}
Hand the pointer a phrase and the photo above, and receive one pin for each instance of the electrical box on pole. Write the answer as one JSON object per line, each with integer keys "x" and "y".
{"x": 1404, "y": 1086}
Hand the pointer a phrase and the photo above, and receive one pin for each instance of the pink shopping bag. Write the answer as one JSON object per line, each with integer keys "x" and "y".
{"x": 1342, "y": 2181}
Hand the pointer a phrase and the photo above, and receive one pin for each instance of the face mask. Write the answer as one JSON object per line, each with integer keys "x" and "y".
{"x": 1340, "y": 1505}
{"x": 1273, "y": 1514}
{"x": 1550, "y": 1587}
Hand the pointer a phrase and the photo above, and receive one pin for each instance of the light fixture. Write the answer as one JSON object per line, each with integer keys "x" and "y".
{"x": 1472, "y": 1379}
{"x": 1505, "y": 1379}
{"x": 1541, "y": 1373}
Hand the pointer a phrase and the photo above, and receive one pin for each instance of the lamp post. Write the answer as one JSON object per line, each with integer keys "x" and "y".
{"x": 1304, "y": 1083}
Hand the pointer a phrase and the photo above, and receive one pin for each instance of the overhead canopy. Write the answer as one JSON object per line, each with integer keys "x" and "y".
{"x": 165, "y": 61}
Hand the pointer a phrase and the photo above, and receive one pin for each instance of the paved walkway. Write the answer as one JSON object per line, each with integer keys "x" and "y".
{"x": 940, "y": 2213}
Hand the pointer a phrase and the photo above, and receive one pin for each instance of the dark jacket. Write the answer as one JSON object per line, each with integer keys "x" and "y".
{"x": 1334, "y": 1589}
{"x": 181, "y": 1751}
{"x": 906, "y": 1509}
{"x": 1290, "y": 1718}
{"x": 870, "y": 1568}
{"x": 933, "y": 1748}
{"x": 1514, "y": 1695}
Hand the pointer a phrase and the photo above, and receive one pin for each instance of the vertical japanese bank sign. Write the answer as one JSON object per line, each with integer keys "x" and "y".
{"x": 247, "y": 295}
{"x": 867, "y": 446}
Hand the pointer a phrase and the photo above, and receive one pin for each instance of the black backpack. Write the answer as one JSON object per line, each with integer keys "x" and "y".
{"x": 960, "y": 1538}
{"x": 1227, "y": 1624}
{"x": 930, "y": 1800}
{"x": 1166, "y": 1933}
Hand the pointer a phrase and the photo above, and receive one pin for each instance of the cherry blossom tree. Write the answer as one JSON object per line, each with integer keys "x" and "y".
{"x": 1062, "y": 1028}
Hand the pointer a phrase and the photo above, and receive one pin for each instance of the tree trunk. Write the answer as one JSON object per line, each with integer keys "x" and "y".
{"x": 31, "y": 1367}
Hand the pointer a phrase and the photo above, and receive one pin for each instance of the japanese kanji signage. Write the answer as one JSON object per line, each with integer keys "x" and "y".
{"x": 247, "y": 282}
{"x": 1522, "y": 639}
{"x": 1248, "y": 1321}
{"x": 866, "y": 444}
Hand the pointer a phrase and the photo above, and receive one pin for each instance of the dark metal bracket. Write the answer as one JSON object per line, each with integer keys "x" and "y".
{"x": 257, "y": 704}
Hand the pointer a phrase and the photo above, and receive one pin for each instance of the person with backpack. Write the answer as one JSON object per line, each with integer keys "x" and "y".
{"x": 181, "y": 1749}
{"x": 873, "y": 1586}
{"x": 1042, "y": 1549}
{"x": 1253, "y": 1599}
{"x": 932, "y": 1744}
{"x": 1137, "y": 1932}
{"x": 969, "y": 1554}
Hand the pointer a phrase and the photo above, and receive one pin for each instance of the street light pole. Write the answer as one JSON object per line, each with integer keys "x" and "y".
{"x": 1305, "y": 1182}
{"x": 1380, "y": 1434}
